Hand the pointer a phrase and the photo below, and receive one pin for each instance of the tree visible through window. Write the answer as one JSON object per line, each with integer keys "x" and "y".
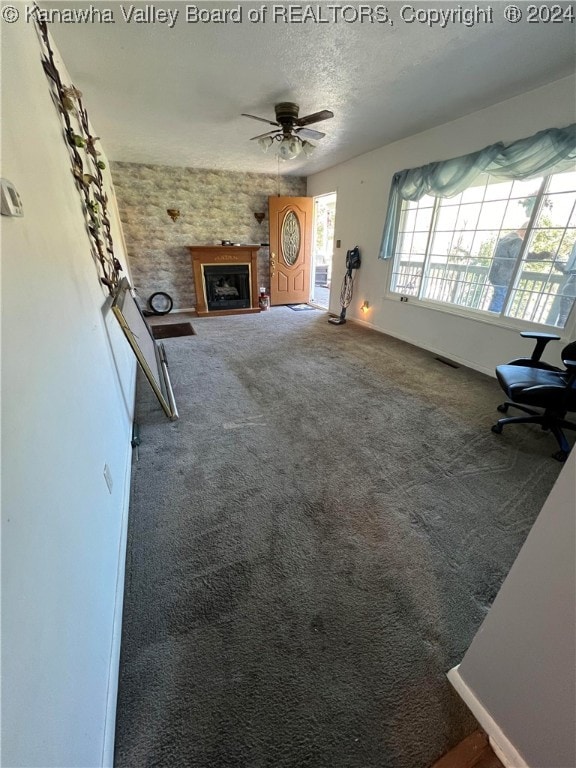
{"x": 501, "y": 247}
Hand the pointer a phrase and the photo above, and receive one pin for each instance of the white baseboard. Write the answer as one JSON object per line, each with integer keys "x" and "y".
{"x": 433, "y": 350}
{"x": 176, "y": 310}
{"x": 501, "y": 744}
{"x": 114, "y": 661}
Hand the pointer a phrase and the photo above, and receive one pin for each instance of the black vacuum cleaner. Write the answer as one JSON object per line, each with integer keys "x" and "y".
{"x": 352, "y": 262}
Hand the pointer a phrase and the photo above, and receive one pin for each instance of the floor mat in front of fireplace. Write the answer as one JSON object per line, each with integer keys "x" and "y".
{"x": 170, "y": 330}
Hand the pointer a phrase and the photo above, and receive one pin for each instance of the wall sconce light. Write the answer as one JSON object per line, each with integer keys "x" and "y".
{"x": 365, "y": 307}
{"x": 259, "y": 216}
{"x": 174, "y": 213}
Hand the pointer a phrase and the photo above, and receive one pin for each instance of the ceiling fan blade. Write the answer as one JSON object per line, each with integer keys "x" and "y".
{"x": 262, "y": 135}
{"x": 324, "y": 114}
{"x": 309, "y": 133}
{"x": 262, "y": 119}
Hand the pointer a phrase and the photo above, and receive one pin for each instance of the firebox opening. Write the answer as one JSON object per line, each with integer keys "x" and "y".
{"x": 227, "y": 286}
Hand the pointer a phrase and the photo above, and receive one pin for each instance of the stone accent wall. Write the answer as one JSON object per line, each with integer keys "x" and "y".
{"x": 214, "y": 206}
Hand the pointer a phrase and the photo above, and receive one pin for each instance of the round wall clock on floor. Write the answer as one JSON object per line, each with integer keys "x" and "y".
{"x": 160, "y": 303}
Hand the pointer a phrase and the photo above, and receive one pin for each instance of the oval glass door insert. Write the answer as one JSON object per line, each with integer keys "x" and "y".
{"x": 290, "y": 238}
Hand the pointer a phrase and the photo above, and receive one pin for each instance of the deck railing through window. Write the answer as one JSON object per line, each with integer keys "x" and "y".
{"x": 468, "y": 286}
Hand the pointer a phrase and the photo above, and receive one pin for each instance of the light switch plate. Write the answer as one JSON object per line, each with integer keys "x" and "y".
{"x": 10, "y": 202}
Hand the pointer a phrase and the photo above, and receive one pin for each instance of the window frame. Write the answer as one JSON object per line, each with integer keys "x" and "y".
{"x": 500, "y": 319}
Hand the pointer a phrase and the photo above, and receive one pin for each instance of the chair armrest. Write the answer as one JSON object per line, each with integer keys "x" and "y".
{"x": 541, "y": 340}
{"x": 527, "y": 362}
{"x": 539, "y": 335}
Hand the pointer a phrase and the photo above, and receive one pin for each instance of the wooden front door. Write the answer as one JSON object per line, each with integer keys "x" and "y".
{"x": 290, "y": 243}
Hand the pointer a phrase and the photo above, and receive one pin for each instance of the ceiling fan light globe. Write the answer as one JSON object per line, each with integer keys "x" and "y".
{"x": 289, "y": 148}
{"x": 265, "y": 143}
{"x": 308, "y": 148}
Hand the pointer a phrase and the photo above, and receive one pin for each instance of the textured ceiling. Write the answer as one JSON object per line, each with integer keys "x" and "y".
{"x": 174, "y": 96}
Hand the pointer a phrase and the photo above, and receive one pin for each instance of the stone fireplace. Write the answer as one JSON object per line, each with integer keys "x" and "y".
{"x": 226, "y": 279}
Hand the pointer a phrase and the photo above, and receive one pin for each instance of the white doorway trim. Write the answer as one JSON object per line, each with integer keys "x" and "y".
{"x": 322, "y": 249}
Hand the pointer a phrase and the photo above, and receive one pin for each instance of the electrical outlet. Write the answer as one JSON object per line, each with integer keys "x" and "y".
{"x": 108, "y": 477}
{"x": 403, "y": 298}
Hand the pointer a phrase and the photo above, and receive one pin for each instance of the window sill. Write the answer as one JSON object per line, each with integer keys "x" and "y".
{"x": 498, "y": 321}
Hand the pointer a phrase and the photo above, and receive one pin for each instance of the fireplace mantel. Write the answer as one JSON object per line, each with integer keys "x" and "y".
{"x": 221, "y": 255}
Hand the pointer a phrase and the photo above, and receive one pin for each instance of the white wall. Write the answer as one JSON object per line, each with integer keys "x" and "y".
{"x": 67, "y": 402}
{"x": 519, "y": 672}
{"x": 362, "y": 186}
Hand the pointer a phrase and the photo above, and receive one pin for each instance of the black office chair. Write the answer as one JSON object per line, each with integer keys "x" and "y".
{"x": 529, "y": 381}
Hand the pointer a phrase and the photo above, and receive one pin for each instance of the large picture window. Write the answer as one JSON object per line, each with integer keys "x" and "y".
{"x": 506, "y": 248}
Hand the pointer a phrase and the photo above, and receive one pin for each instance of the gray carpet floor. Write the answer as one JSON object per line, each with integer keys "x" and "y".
{"x": 312, "y": 546}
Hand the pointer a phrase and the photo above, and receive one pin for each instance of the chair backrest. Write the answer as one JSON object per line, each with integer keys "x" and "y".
{"x": 569, "y": 351}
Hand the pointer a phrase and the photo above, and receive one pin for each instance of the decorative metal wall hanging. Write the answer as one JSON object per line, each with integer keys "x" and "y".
{"x": 87, "y": 166}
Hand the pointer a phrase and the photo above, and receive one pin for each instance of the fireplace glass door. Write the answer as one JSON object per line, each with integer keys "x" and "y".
{"x": 227, "y": 286}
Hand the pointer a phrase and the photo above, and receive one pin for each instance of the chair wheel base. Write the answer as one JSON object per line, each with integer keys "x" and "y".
{"x": 503, "y": 408}
{"x": 497, "y": 429}
{"x": 560, "y": 455}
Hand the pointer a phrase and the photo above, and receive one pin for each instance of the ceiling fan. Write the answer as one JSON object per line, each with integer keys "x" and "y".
{"x": 291, "y": 132}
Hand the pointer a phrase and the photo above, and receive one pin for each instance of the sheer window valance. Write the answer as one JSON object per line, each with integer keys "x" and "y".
{"x": 550, "y": 151}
